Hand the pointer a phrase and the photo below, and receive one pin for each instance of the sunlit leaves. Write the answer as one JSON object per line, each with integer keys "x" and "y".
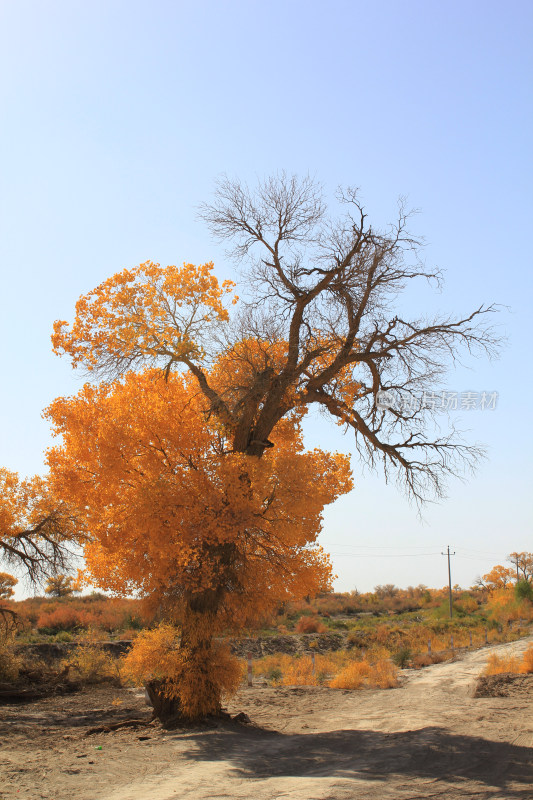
{"x": 149, "y": 314}
{"x": 166, "y": 502}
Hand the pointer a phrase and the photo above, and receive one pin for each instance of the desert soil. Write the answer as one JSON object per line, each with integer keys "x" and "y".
{"x": 428, "y": 738}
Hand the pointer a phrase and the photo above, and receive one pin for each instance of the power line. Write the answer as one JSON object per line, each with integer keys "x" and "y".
{"x": 487, "y": 552}
{"x": 382, "y": 555}
{"x": 381, "y": 548}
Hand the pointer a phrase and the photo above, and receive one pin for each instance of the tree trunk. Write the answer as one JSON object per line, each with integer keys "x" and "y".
{"x": 198, "y": 626}
{"x": 166, "y": 709}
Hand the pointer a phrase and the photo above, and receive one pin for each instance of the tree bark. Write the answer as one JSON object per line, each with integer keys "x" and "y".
{"x": 166, "y": 709}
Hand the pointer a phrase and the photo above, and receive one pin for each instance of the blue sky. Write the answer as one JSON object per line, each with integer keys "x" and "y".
{"x": 118, "y": 116}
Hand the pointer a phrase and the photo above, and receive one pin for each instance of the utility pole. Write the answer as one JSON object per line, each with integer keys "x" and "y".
{"x": 449, "y": 578}
{"x": 516, "y": 563}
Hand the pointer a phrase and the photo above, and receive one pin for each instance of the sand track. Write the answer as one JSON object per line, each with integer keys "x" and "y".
{"x": 429, "y": 738}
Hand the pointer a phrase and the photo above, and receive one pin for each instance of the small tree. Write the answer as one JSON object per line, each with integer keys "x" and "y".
{"x": 7, "y": 582}
{"x": 61, "y": 586}
{"x": 523, "y": 563}
{"x": 37, "y": 528}
{"x": 498, "y": 578}
{"x": 386, "y": 590}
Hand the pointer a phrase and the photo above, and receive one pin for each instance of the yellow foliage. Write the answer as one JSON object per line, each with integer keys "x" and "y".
{"x": 503, "y": 605}
{"x": 377, "y": 652}
{"x": 89, "y": 663}
{"x": 380, "y": 675}
{"x": 165, "y": 469}
{"x": 7, "y": 582}
{"x": 498, "y": 577}
{"x": 510, "y": 663}
{"x": 337, "y": 669}
{"x": 161, "y": 316}
{"x": 29, "y": 509}
{"x": 152, "y": 654}
{"x": 173, "y": 514}
{"x": 239, "y": 365}
{"x": 197, "y": 676}
{"x": 61, "y": 585}
{"x": 148, "y": 312}
{"x": 384, "y": 674}
{"x": 10, "y": 663}
{"x": 299, "y": 673}
{"x": 467, "y": 604}
{"x": 353, "y": 676}
{"x": 527, "y": 660}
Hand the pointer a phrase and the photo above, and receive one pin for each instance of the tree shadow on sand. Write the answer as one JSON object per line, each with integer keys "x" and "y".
{"x": 428, "y": 753}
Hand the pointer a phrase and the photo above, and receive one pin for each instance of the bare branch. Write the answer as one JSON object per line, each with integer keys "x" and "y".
{"x": 318, "y": 323}
{"x": 329, "y": 287}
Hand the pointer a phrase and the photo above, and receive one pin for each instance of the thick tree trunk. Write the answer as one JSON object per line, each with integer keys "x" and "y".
{"x": 166, "y": 709}
{"x": 199, "y": 624}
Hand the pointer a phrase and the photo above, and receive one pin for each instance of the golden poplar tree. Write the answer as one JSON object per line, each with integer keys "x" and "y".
{"x": 318, "y": 325}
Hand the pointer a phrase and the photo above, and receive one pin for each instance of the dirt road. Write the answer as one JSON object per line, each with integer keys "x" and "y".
{"x": 429, "y": 738}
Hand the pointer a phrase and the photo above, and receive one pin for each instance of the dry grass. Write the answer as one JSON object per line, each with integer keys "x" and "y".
{"x": 310, "y": 625}
{"x": 527, "y": 660}
{"x": 384, "y": 675}
{"x": 90, "y": 664}
{"x": 337, "y": 670}
{"x": 10, "y": 663}
{"x": 353, "y": 676}
{"x": 427, "y": 659}
{"x": 381, "y": 675}
{"x": 498, "y": 664}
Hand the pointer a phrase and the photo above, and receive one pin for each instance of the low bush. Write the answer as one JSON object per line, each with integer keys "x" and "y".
{"x": 427, "y": 659}
{"x": 384, "y": 675}
{"x": 195, "y": 682}
{"x": 527, "y": 660}
{"x": 510, "y": 663}
{"x": 402, "y": 657}
{"x": 10, "y": 663}
{"x": 380, "y": 675}
{"x": 353, "y": 676}
{"x": 299, "y": 673}
{"x": 90, "y": 664}
{"x": 337, "y": 669}
{"x": 309, "y": 625}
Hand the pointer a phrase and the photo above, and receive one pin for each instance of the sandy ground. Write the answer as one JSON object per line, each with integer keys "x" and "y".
{"x": 429, "y": 738}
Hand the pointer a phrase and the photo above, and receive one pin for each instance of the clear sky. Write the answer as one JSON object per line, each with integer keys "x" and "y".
{"x": 118, "y": 116}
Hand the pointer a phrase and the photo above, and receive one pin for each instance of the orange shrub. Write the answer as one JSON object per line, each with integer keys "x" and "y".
{"x": 309, "y": 625}
{"x": 352, "y": 676}
{"x": 287, "y": 670}
{"x": 10, "y": 662}
{"x": 357, "y": 674}
{"x": 527, "y": 660}
{"x": 326, "y": 667}
{"x": 91, "y": 664}
{"x": 299, "y": 673}
{"x": 498, "y": 664}
{"x": 503, "y": 606}
{"x": 377, "y": 652}
{"x": 64, "y": 618}
{"x": 197, "y": 681}
{"x": 384, "y": 675}
{"x": 427, "y": 659}
{"x": 106, "y": 614}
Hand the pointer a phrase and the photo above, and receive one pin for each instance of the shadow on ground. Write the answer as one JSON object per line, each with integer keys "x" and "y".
{"x": 430, "y": 753}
